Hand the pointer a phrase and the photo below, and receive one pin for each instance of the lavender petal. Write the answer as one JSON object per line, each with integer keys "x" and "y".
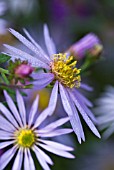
{"x": 6, "y": 157}
{"x": 29, "y": 45}
{"x": 49, "y": 42}
{"x": 33, "y": 111}
{"x": 18, "y": 160}
{"x": 53, "y": 98}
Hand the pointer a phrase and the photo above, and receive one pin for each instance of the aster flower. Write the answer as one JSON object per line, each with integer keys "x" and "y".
{"x": 105, "y": 111}
{"x": 23, "y": 134}
{"x": 63, "y": 75}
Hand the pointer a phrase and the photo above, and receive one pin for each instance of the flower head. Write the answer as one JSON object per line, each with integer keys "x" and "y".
{"x": 65, "y": 71}
{"x": 21, "y": 135}
{"x": 105, "y": 111}
{"x": 62, "y": 73}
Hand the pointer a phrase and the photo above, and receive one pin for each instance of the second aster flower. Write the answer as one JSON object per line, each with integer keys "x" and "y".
{"x": 22, "y": 133}
{"x": 105, "y": 111}
{"x": 64, "y": 76}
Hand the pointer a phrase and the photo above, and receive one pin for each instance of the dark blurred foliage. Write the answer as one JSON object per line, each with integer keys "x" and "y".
{"x": 69, "y": 20}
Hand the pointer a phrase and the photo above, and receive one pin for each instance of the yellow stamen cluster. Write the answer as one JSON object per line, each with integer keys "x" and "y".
{"x": 25, "y": 138}
{"x": 65, "y": 70}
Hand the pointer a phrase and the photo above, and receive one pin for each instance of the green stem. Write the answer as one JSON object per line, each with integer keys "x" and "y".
{"x": 5, "y": 78}
{"x": 85, "y": 66}
{"x": 4, "y": 71}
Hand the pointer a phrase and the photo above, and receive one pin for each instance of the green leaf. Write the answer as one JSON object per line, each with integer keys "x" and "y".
{"x": 4, "y": 58}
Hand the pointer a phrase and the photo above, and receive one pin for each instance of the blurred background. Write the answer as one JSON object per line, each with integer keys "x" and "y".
{"x": 68, "y": 21}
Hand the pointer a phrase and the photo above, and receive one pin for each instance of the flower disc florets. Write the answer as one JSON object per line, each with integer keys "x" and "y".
{"x": 25, "y": 138}
{"x": 65, "y": 71}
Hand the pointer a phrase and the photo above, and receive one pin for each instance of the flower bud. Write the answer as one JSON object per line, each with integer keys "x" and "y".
{"x": 87, "y": 43}
{"x": 23, "y": 70}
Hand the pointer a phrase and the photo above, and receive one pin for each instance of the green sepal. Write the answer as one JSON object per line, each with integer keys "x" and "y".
{"x": 4, "y": 58}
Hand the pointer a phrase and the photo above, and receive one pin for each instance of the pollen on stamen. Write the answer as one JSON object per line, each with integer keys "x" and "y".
{"x": 65, "y": 71}
{"x": 25, "y": 138}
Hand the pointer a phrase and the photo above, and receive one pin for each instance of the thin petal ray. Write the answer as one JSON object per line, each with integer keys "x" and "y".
{"x": 53, "y": 98}
{"x": 55, "y": 151}
{"x": 57, "y": 145}
{"x": 49, "y": 42}
{"x": 5, "y": 144}
{"x": 6, "y": 157}
{"x": 33, "y": 111}
{"x": 85, "y": 116}
{"x": 36, "y": 44}
{"x": 29, "y": 45}
{"x": 41, "y": 160}
{"x": 55, "y": 124}
{"x": 21, "y": 106}
{"x": 56, "y": 132}
{"x": 65, "y": 100}
{"x": 18, "y": 160}
{"x": 13, "y": 108}
{"x": 46, "y": 157}
{"x": 8, "y": 115}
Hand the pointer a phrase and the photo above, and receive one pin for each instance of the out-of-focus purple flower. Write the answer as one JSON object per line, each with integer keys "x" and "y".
{"x": 23, "y": 134}
{"x": 59, "y": 9}
{"x": 3, "y": 23}
{"x": 105, "y": 111}
{"x": 87, "y": 43}
{"x": 3, "y": 27}
{"x": 23, "y": 70}
{"x": 3, "y": 7}
{"x": 83, "y": 8}
{"x": 63, "y": 74}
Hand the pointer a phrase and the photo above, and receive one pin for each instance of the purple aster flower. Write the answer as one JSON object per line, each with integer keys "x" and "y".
{"x": 3, "y": 23}
{"x": 105, "y": 111}
{"x": 24, "y": 134}
{"x": 3, "y": 26}
{"x": 3, "y": 8}
{"x": 63, "y": 74}
{"x": 87, "y": 43}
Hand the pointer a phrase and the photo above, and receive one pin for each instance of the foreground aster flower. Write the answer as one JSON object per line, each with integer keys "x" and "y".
{"x": 61, "y": 72}
{"x": 105, "y": 111}
{"x": 23, "y": 135}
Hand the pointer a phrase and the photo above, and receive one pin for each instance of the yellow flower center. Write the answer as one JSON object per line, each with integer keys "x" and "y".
{"x": 65, "y": 71}
{"x": 25, "y": 138}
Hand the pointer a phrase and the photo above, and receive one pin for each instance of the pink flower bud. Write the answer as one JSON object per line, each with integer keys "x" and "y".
{"x": 23, "y": 70}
